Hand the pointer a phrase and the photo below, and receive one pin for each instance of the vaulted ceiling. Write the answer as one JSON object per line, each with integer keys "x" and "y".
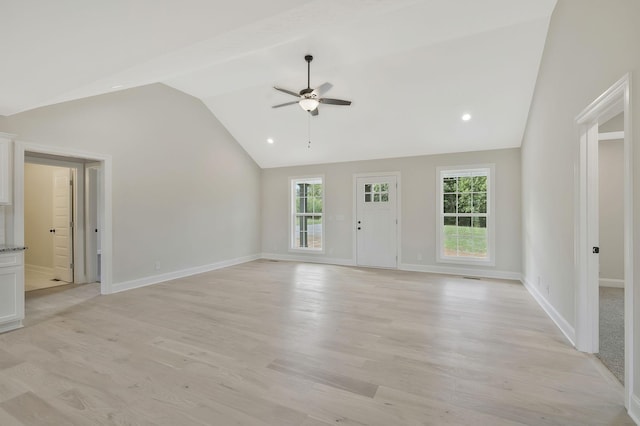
{"x": 411, "y": 67}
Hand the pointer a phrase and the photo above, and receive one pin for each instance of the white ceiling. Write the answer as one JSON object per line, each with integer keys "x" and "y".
{"x": 411, "y": 67}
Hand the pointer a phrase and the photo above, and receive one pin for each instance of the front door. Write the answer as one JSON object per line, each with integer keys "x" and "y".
{"x": 377, "y": 221}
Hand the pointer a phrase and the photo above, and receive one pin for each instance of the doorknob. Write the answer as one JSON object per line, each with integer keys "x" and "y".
{"x": 52, "y": 230}
{"x": 359, "y": 228}
{"x": 596, "y": 250}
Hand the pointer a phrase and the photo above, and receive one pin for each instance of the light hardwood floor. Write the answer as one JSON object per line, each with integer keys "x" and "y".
{"x": 282, "y": 343}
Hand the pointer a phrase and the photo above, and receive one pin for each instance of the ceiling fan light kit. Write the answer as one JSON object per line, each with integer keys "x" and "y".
{"x": 309, "y": 98}
{"x": 309, "y": 104}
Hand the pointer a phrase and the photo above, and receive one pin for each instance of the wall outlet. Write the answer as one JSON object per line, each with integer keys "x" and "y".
{"x": 157, "y": 265}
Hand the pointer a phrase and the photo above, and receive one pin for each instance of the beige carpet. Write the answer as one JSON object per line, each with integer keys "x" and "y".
{"x": 612, "y": 330}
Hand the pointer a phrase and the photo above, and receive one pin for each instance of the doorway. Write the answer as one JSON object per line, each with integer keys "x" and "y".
{"x": 611, "y": 240}
{"x": 614, "y": 101}
{"x": 377, "y": 220}
{"x": 103, "y": 165}
{"x": 49, "y": 218}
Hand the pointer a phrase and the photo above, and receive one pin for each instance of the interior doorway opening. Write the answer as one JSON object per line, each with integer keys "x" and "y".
{"x": 61, "y": 224}
{"x": 611, "y": 244}
{"x": 92, "y": 226}
{"x": 615, "y": 101}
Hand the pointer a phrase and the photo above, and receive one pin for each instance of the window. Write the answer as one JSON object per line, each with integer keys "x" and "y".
{"x": 465, "y": 227}
{"x": 376, "y": 192}
{"x": 307, "y": 200}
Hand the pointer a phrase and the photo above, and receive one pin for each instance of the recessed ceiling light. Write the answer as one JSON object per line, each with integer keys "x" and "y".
{"x": 270, "y": 140}
{"x": 117, "y": 86}
{"x": 466, "y": 117}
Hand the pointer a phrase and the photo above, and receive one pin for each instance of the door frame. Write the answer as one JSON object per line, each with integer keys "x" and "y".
{"x": 613, "y": 101}
{"x": 104, "y": 199}
{"x": 354, "y": 240}
{"x": 91, "y": 240}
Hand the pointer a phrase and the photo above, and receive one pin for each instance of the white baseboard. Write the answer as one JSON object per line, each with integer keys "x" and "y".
{"x": 610, "y": 282}
{"x": 310, "y": 259}
{"x": 402, "y": 267}
{"x": 467, "y": 272}
{"x": 634, "y": 408}
{"x": 564, "y": 326}
{"x": 155, "y": 279}
{"x": 39, "y": 269}
{"x": 13, "y": 325}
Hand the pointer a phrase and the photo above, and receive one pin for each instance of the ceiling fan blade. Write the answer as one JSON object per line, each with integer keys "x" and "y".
{"x": 289, "y": 92}
{"x": 285, "y": 104}
{"x": 314, "y": 112}
{"x": 330, "y": 101}
{"x": 322, "y": 89}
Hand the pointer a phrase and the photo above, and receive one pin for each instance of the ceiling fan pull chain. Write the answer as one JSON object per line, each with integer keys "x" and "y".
{"x": 309, "y": 131}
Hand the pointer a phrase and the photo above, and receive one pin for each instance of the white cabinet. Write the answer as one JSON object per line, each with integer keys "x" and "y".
{"x": 11, "y": 290}
{"x": 5, "y": 170}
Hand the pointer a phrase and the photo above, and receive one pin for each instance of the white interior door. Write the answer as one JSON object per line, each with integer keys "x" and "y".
{"x": 62, "y": 225}
{"x": 377, "y": 221}
{"x": 91, "y": 221}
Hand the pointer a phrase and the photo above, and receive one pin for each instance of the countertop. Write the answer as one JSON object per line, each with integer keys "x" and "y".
{"x": 5, "y": 248}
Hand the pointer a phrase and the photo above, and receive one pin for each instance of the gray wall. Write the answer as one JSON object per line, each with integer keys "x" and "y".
{"x": 611, "y": 210}
{"x": 591, "y": 44}
{"x": 184, "y": 192}
{"x": 418, "y": 206}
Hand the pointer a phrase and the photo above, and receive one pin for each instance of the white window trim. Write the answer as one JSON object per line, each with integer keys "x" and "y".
{"x": 292, "y": 214}
{"x": 491, "y": 196}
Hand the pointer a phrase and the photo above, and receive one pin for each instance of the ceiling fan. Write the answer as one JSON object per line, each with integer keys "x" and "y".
{"x": 309, "y": 98}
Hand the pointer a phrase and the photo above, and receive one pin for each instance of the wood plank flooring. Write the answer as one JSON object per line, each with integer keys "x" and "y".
{"x": 283, "y": 343}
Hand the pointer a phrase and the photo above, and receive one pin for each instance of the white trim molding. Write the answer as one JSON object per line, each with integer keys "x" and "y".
{"x": 10, "y": 326}
{"x": 634, "y": 408}
{"x": 610, "y": 136}
{"x": 308, "y": 259}
{"x": 610, "y": 282}
{"x": 156, "y": 279}
{"x": 560, "y": 321}
{"x": 467, "y": 272}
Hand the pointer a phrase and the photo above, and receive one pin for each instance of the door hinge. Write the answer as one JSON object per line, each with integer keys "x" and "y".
{"x": 71, "y": 224}
{"x": 71, "y": 266}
